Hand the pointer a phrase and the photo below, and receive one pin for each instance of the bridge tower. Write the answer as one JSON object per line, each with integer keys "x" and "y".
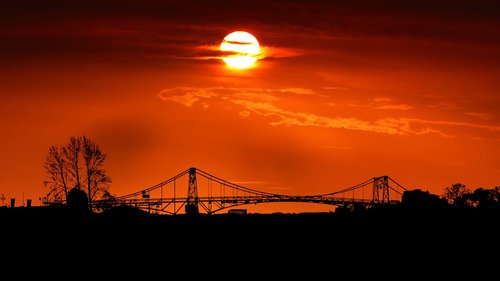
{"x": 378, "y": 184}
{"x": 192, "y": 198}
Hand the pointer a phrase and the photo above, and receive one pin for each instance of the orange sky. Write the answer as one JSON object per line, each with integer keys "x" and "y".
{"x": 348, "y": 90}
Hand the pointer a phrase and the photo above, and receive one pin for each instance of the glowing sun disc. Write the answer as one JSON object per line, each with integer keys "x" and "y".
{"x": 242, "y": 49}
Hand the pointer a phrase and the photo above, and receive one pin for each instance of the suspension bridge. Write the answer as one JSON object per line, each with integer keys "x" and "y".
{"x": 209, "y": 194}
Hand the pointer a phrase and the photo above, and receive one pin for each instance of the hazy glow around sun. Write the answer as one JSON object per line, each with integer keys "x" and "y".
{"x": 242, "y": 49}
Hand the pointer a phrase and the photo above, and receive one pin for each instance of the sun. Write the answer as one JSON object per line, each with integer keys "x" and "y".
{"x": 240, "y": 49}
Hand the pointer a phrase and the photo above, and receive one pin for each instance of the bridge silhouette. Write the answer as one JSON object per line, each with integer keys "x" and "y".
{"x": 218, "y": 194}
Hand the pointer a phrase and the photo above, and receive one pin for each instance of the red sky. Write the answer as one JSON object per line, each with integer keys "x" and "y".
{"x": 348, "y": 90}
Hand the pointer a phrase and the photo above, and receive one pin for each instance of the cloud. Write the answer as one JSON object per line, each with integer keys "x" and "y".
{"x": 386, "y": 103}
{"x": 244, "y": 113}
{"x": 212, "y": 51}
{"x": 266, "y": 102}
{"x": 392, "y": 126}
{"x": 307, "y": 119}
{"x": 188, "y": 97}
{"x": 298, "y": 91}
{"x": 249, "y": 95}
{"x": 404, "y": 127}
{"x": 383, "y": 103}
{"x": 402, "y": 106}
{"x": 479, "y": 115}
{"x": 456, "y": 124}
{"x": 281, "y": 52}
{"x": 124, "y": 28}
{"x": 335, "y": 88}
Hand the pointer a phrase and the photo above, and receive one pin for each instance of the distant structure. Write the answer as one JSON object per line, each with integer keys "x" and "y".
{"x": 237, "y": 211}
{"x": 209, "y": 194}
{"x": 77, "y": 199}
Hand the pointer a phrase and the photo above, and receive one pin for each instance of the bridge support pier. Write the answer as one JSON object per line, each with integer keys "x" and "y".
{"x": 192, "y": 198}
{"x": 381, "y": 183}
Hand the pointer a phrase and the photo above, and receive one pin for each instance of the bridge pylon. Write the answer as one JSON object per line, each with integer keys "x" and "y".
{"x": 192, "y": 198}
{"x": 381, "y": 183}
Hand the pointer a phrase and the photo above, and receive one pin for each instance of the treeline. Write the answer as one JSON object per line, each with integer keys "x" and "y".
{"x": 455, "y": 196}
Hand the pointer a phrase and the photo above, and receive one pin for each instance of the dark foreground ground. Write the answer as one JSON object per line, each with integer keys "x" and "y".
{"x": 402, "y": 226}
{"x": 387, "y": 238}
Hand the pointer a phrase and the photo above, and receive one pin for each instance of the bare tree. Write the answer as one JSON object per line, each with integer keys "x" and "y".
{"x": 96, "y": 178}
{"x": 79, "y": 162}
{"x": 72, "y": 152}
{"x": 55, "y": 165}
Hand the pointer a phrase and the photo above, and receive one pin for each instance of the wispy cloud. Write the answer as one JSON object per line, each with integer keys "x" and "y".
{"x": 336, "y": 88}
{"x": 188, "y": 95}
{"x": 289, "y": 118}
{"x": 402, "y": 106}
{"x": 404, "y": 127}
{"x": 383, "y": 103}
{"x": 281, "y": 52}
{"x": 387, "y": 103}
{"x": 266, "y": 102}
{"x": 458, "y": 124}
{"x": 298, "y": 91}
{"x": 479, "y": 115}
{"x": 212, "y": 51}
{"x": 244, "y": 113}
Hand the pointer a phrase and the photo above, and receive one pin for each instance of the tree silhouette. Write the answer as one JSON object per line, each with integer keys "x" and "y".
{"x": 454, "y": 194}
{"x": 484, "y": 198}
{"x": 107, "y": 202}
{"x": 94, "y": 161}
{"x": 72, "y": 153}
{"x": 56, "y": 167}
{"x": 79, "y": 162}
{"x": 417, "y": 198}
